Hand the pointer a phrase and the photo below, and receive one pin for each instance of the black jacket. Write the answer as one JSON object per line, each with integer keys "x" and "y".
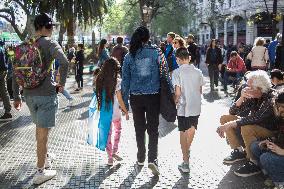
{"x": 192, "y": 49}
{"x": 219, "y": 57}
{"x": 80, "y": 58}
{"x": 279, "y": 60}
{"x": 3, "y": 60}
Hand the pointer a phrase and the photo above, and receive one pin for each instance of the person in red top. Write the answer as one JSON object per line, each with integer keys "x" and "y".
{"x": 235, "y": 68}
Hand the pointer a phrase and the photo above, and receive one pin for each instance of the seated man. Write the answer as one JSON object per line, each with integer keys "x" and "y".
{"x": 270, "y": 154}
{"x": 235, "y": 68}
{"x": 257, "y": 122}
{"x": 277, "y": 79}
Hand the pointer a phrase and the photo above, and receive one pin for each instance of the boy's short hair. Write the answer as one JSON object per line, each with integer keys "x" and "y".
{"x": 182, "y": 53}
{"x": 276, "y": 74}
{"x": 172, "y": 34}
{"x": 233, "y": 53}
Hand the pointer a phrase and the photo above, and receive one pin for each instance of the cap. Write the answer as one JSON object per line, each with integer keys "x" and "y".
{"x": 43, "y": 19}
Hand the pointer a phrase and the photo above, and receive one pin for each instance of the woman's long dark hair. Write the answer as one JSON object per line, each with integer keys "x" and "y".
{"x": 212, "y": 40}
{"x": 106, "y": 82}
{"x": 101, "y": 46}
{"x": 140, "y": 36}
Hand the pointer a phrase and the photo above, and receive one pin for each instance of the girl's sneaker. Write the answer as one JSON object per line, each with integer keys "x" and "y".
{"x": 110, "y": 162}
{"x": 116, "y": 157}
{"x": 43, "y": 175}
{"x": 184, "y": 167}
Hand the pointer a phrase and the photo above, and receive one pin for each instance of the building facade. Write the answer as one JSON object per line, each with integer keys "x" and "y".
{"x": 235, "y": 21}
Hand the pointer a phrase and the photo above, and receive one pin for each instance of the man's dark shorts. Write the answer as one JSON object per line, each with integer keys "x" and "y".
{"x": 184, "y": 123}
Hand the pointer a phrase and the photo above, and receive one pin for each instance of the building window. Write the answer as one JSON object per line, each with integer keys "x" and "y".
{"x": 207, "y": 36}
{"x": 230, "y": 3}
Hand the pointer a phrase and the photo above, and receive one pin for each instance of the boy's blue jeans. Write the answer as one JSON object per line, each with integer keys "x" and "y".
{"x": 271, "y": 162}
{"x": 67, "y": 94}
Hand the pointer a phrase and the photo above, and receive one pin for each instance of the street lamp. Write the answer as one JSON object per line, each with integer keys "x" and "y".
{"x": 147, "y": 13}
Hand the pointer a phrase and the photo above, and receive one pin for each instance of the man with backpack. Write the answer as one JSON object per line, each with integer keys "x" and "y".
{"x": 32, "y": 70}
{"x": 7, "y": 116}
{"x": 119, "y": 51}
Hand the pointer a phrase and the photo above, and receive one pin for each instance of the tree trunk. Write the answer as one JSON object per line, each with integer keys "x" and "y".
{"x": 274, "y": 19}
{"x": 70, "y": 32}
{"x": 30, "y": 30}
{"x": 93, "y": 40}
{"x": 62, "y": 30}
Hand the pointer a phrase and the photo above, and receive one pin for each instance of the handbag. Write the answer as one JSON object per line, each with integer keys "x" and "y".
{"x": 167, "y": 104}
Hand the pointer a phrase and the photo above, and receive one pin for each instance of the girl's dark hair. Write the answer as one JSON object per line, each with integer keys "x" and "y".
{"x": 106, "y": 82}
{"x": 276, "y": 73}
{"x": 212, "y": 40}
{"x": 140, "y": 36}
{"x": 102, "y": 46}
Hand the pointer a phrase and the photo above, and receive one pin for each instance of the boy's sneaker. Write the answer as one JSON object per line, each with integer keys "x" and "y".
{"x": 249, "y": 169}
{"x": 117, "y": 157}
{"x": 70, "y": 104}
{"x": 184, "y": 167}
{"x": 6, "y": 117}
{"x": 44, "y": 175}
{"x": 235, "y": 156}
{"x": 153, "y": 166}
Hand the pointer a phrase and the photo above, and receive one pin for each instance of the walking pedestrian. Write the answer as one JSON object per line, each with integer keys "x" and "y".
{"x": 192, "y": 49}
{"x": 80, "y": 58}
{"x": 141, "y": 80}
{"x": 169, "y": 53}
{"x": 188, "y": 82}
{"x": 41, "y": 98}
{"x": 4, "y": 95}
{"x": 258, "y": 55}
{"x": 103, "y": 52}
{"x": 119, "y": 51}
{"x": 108, "y": 91}
{"x": 272, "y": 50}
{"x": 213, "y": 60}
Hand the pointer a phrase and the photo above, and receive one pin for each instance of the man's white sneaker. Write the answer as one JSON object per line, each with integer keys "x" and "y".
{"x": 45, "y": 175}
{"x": 48, "y": 161}
{"x": 70, "y": 104}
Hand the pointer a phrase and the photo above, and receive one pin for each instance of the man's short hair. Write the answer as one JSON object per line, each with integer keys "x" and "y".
{"x": 182, "y": 53}
{"x": 190, "y": 36}
{"x": 233, "y": 53}
{"x": 172, "y": 34}
{"x": 276, "y": 74}
{"x": 280, "y": 97}
{"x": 119, "y": 40}
{"x": 81, "y": 45}
{"x": 43, "y": 20}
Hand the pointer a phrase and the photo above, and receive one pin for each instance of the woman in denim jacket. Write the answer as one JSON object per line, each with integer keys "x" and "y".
{"x": 141, "y": 81}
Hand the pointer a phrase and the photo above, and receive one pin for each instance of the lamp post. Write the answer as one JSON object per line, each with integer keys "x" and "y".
{"x": 147, "y": 13}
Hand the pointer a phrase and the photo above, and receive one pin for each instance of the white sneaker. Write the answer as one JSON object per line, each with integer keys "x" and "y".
{"x": 70, "y": 103}
{"x": 48, "y": 161}
{"x": 184, "y": 167}
{"x": 45, "y": 175}
{"x": 117, "y": 157}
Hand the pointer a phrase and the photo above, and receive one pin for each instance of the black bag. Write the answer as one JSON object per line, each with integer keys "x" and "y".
{"x": 167, "y": 104}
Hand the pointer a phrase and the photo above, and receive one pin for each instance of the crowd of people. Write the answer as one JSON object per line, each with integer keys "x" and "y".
{"x": 134, "y": 76}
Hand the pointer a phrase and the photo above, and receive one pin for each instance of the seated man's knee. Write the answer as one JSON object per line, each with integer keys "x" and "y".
{"x": 245, "y": 130}
{"x": 266, "y": 160}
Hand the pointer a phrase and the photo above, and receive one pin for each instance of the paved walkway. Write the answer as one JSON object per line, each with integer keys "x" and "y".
{"x": 82, "y": 166}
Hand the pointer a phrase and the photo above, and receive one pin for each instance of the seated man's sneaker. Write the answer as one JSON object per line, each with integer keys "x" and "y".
{"x": 153, "y": 166}
{"x": 235, "y": 156}
{"x": 184, "y": 167}
{"x": 43, "y": 176}
{"x": 6, "y": 117}
{"x": 249, "y": 169}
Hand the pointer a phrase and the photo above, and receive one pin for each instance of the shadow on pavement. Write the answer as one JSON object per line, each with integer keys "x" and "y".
{"x": 128, "y": 181}
{"x": 230, "y": 180}
{"x": 151, "y": 183}
{"x": 183, "y": 181}
{"x": 211, "y": 96}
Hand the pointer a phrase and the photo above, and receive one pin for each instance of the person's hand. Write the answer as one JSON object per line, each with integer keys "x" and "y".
{"x": 276, "y": 149}
{"x": 220, "y": 66}
{"x": 18, "y": 104}
{"x": 263, "y": 144}
{"x": 245, "y": 93}
{"x": 126, "y": 116}
{"x": 222, "y": 129}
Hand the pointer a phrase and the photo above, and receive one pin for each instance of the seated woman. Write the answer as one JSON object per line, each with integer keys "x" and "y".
{"x": 270, "y": 154}
{"x": 277, "y": 79}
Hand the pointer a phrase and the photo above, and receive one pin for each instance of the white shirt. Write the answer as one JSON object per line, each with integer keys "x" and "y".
{"x": 189, "y": 79}
{"x": 116, "y": 111}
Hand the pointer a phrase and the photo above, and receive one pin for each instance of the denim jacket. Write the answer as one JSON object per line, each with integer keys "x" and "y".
{"x": 140, "y": 74}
